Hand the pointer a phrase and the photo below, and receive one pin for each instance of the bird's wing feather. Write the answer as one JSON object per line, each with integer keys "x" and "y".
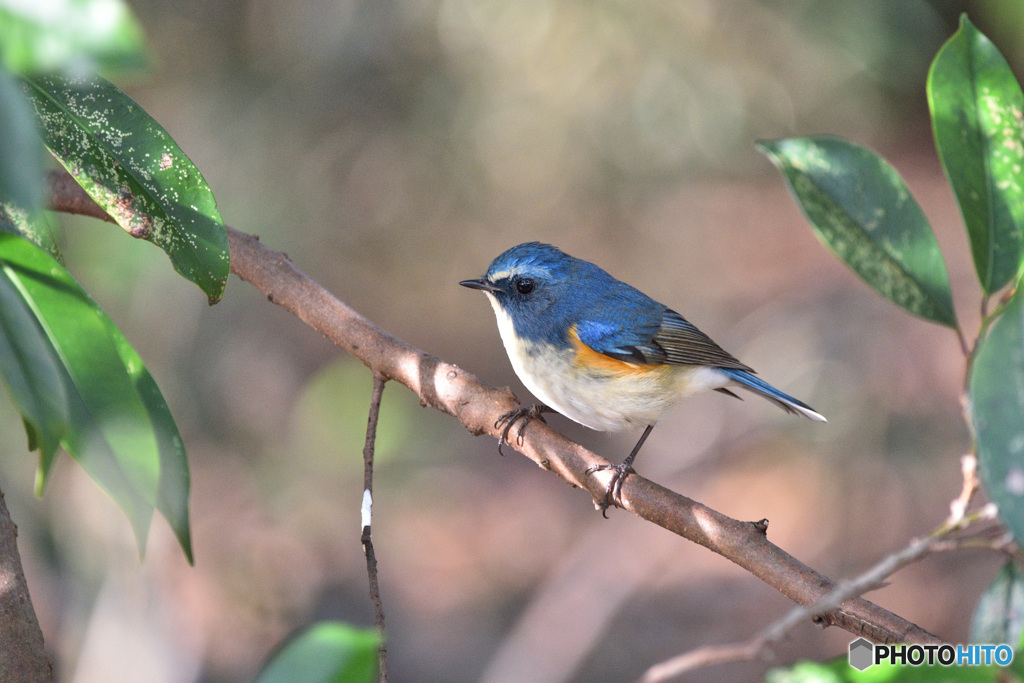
{"x": 651, "y": 335}
{"x": 683, "y": 344}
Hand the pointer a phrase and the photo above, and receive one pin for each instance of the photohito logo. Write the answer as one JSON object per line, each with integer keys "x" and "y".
{"x": 863, "y": 653}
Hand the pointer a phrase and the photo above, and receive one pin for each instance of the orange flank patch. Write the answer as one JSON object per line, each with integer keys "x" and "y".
{"x": 587, "y": 357}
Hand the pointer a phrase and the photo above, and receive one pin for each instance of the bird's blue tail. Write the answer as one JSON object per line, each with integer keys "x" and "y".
{"x": 785, "y": 401}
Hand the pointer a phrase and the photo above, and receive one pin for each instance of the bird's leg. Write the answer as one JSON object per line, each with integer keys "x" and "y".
{"x": 622, "y": 470}
{"x": 522, "y": 415}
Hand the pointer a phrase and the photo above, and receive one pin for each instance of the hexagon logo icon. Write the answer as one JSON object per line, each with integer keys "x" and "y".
{"x": 861, "y": 654}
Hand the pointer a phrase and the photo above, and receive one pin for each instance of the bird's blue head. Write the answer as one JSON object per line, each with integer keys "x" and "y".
{"x": 536, "y": 286}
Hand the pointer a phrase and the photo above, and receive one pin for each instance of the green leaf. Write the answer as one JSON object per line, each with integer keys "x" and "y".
{"x": 133, "y": 169}
{"x": 977, "y": 112}
{"x": 328, "y": 652}
{"x": 999, "y": 616}
{"x": 35, "y": 226}
{"x": 70, "y": 34}
{"x": 21, "y": 169}
{"x": 861, "y": 209}
{"x": 996, "y": 394}
{"x": 109, "y": 432}
{"x": 173, "y": 491}
{"x": 120, "y": 429}
{"x": 21, "y": 151}
{"x": 31, "y": 371}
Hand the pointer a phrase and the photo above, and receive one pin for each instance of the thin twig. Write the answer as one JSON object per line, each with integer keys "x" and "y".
{"x": 958, "y": 508}
{"x": 940, "y": 540}
{"x": 454, "y": 391}
{"x": 371, "y": 558}
{"x": 774, "y": 633}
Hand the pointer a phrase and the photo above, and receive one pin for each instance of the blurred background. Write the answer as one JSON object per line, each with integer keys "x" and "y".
{"x": 392, "y": 148}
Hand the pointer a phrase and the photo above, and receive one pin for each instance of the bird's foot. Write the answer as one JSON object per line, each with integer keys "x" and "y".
{"x": 614, "y": 490}
{"x": 522, "y": 415}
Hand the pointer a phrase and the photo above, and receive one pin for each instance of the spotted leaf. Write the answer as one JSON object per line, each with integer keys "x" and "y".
{"x": 133, "y": 169}
{"x": 861, "y": 209}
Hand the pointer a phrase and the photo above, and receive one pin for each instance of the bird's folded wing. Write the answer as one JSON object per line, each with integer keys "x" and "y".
{"x": 660, "y": 338}
{"x": 683, "y": 344}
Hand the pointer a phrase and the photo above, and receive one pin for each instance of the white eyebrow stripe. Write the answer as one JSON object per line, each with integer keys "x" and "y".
{"x": 531, "y": 271}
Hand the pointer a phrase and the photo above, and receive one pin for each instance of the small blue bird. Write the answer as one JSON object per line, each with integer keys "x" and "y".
{"x": 601, "y": 352}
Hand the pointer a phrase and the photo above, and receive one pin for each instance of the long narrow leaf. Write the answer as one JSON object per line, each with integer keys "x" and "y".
{"x": 119, "y": 472}
{"x": 861, "y": 209}
{"x": 996, "y": 393}
{"x": 173, "y": 491}
{"x": 133, "y": 169}
{"x": 110, "y": 433}
{"x": 30, "y": 370}
{"x": 977, "y": 112}
{"x": 120, "y": 429}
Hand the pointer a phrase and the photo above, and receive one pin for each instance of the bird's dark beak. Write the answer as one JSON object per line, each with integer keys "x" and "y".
{"x": 480, "y": 283}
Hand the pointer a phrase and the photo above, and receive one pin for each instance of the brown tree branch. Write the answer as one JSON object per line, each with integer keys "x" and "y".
{"x": 475, "y": 404}
{"x": 22, "y": 656}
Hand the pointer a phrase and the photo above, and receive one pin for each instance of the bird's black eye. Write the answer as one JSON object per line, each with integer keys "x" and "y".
{"x": 524, "y": 285}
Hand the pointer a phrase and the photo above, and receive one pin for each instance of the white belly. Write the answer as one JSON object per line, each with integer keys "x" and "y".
{"x": 599, "y": 400}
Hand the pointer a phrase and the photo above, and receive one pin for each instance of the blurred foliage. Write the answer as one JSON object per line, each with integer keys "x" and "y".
{"x": 327, "y": 652}
{"x": 1000, "y": 614}
{"x": 330, "y": 416}
{"x": 21, "y": 174}
{"x": 996, "y": 393}
{"x": 74, "y": 35}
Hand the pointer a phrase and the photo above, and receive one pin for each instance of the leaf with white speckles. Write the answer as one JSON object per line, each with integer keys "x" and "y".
{"x": 861, "y": 209}
{"x": 133, "y": 169}
{"x": 977, "y": 112}
{"x": 114, "y": 422}
{"x": 996, "y": 393}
